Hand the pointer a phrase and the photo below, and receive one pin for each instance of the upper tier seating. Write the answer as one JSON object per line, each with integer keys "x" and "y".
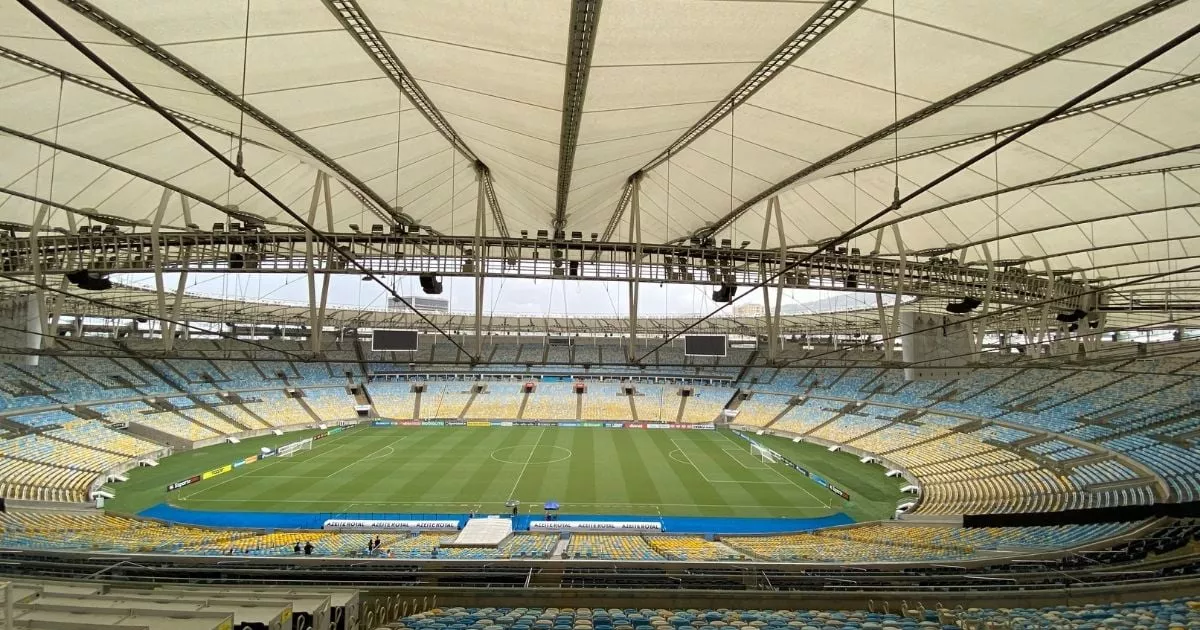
{"x": 606, "y": 401}
{"x": 331, "y": 403}
{"x": 552, "y": 401}
{"x": 500, "y": 401}
{"x": 760, "y": 409}
{"x": 392, "y": 400}
{"x": 96, "y": 435}
{"x": 277, "y": 409}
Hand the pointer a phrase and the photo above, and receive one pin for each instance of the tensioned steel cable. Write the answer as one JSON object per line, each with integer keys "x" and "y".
{"x": 899, "y": 202}
{"x": 220, "y": 157}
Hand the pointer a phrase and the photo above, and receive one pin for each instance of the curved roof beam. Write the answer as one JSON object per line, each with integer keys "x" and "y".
{"x": 829, "y": 16}
{"x": 1030, "y": 184}
{"x": 356, "y": 23}
{"x": 357, "y": 187}
{"x": 116, "y": 167}
{"x": 1056, "y": 226}
{"x": 1077, "y": 42}
{"x": 92, "y": 216}
{"x": 55, "y": 71}
{"x": 234, "y": 168}
{"x": 585, "y": 16}
{"x": 1086, "y": 108}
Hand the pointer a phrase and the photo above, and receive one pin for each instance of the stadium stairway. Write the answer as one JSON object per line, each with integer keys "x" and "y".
{"x": 309, "y": 410}
{"x": 524, "y": 403}
{"x": 783, "y": 412}
{"x": 831, "y": 420}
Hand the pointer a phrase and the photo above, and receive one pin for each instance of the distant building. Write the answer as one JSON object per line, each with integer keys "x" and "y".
{"x": 423, "y": 304}
{"x": 748, "y": 310}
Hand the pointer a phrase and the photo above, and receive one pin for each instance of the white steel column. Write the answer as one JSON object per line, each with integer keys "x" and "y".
{"x": 883, "y": 327}
{"x": 480, "y": 259}
{"x": 894, "y": 324}
{"x": 635, "y": 236}
{"x": 60, "y": 300}
{"x": 156, "y": 260}
{"x": 1045, "y": 327}
{"x": 318, "y": 329}
{"x": 36, "y": 261}
{"x": 766, "y": 289}
{"x": 981, "y": 323}
{"x": 772, "y": 315}
{"x": 178, "y": 305}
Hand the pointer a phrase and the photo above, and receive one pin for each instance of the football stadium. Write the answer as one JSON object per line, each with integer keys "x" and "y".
{"x": 600, "y": 314}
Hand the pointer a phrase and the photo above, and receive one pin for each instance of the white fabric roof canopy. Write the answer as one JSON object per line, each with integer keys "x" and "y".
{"x": 496, "y": 73}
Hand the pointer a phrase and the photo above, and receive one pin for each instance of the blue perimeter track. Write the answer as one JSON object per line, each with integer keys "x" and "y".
{"x": 704, "y": 525}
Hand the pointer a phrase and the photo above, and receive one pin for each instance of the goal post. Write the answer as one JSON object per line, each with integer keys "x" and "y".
{"x": 287, "y": 450}
{"x": 763, "y": 454}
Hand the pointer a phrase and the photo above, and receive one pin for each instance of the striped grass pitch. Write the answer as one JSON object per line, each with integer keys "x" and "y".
{"x": 458, "y": 469}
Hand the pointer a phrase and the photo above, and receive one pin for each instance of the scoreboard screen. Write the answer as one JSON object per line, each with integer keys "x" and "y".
{"x": 393, "y": 340}
{"x": 705, "y": 345}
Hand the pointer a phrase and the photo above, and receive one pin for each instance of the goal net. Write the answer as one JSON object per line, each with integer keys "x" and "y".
{"x": 287, "y": 450}
{"x": 763, "y": 454}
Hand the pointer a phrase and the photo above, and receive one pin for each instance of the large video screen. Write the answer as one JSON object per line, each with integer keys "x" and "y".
{"x": 393, "y": 340}
{"x": 705, "y": 345}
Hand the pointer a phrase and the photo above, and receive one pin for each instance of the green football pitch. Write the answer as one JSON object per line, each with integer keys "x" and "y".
{"x": 459, "y": 469}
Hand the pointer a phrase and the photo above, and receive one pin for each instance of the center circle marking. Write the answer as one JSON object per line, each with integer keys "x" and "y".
{"x": 532, "y": 454}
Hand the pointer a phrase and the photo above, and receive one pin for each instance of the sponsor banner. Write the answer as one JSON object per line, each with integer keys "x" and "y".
{"x": 250, "y": 460}
{"x": 432, "y": 423}
{"x": 410, "y": 423}
{"x": 208, "y": 474}
{"x": 568, "y": 424}
{"x": 382, "y": 423}
{"x": 707, "y": 426}
{"x": 503, "y": 423}
{"x": 319, "y": 436}
{"x": 456, "y": 423}
{"x": 478, "y": 423}
{"x": 635, "y": 425}
{"x": 344, "y": 524}
{"x": 239, "y": 463}
{"x": 591, "y": 424}
{"x": 525, "y": 423}
{"x": 614, "y": 425}
{"x": 186, "y": 482}
{"x": 655, "y": 425}
{"x": 677, "y": 425}
{"x": 838, "y": 491}
{"x": 335, "y": 430}
{"x": 270, "y": 453}
{"x": 595, "y": 526}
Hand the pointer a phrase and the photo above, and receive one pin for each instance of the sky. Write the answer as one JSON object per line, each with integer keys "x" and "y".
{"x": 511, "y": 296}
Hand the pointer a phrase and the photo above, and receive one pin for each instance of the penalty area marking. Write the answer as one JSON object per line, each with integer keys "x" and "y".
{"x": 379, "y": 454}
{"x": 687, "y": 460}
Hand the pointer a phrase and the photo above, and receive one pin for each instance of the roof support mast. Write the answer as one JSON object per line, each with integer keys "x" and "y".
{"x": 157, "y": 261}
{"x": 478, "y": 259}
{"x": 772, "y": 317}
{"x": 635, "y": 268}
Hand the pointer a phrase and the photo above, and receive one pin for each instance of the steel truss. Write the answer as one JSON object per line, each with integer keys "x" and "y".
{"x": 412, "y": 254}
